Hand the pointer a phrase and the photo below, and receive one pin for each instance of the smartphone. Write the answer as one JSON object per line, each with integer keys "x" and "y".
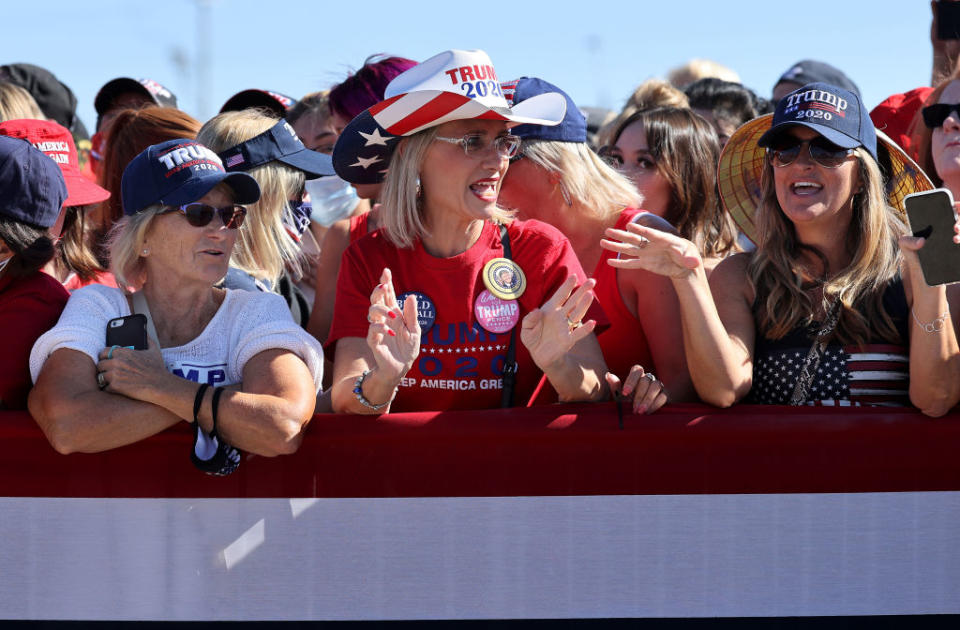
{"x": 931, "y": 216}
{"x": 948, "y": 20}
{"x": 128, "y": 332}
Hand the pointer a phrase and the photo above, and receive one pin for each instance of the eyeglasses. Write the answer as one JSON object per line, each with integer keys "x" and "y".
{"x": 201, "y": 214}
{"x": 474, "y": 144}
{"x": 822, "y": 151}
{"x": 934, "y": 115}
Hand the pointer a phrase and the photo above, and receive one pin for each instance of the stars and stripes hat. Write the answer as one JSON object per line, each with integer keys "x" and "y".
{"x": 178, "y": 172}
{"x": 279, "y": 143}
{"x": 274, "y": 102}
{"x": 454, "y": 85}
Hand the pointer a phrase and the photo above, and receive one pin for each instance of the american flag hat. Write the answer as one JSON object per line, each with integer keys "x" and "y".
{"x": 454, "y": 85}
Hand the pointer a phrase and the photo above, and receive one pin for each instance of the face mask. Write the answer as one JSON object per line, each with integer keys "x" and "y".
{"x": 332, "y": 198}
{"x": 298, "y": 218}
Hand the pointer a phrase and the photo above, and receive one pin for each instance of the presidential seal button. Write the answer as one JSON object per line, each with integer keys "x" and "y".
{"x": 504, "y": 279}
{"x": 496, "y": 315}
{"x": 426, "y": 311}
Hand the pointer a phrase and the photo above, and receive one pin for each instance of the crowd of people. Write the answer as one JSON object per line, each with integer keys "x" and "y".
{"x": 426, "y": 236}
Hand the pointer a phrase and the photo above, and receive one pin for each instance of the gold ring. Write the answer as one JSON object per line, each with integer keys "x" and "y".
{"x": 573, "y": 325}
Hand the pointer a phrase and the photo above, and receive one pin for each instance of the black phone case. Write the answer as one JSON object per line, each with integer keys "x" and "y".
{"x": 128, "y": 331}
{"x": 931, "y": 216}
{"x": 948, "y": 20}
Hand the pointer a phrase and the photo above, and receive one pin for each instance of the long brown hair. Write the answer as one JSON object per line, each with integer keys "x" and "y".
{"x": 782, "y": 302}
{"x": 686, "y": 150}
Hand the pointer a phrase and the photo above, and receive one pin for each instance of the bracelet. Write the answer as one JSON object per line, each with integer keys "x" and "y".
{"x": 214, "y": 407}
{"x": 358, "y": 392}
{"x": 933, "y": 327}
{"x": 198, "y": 400}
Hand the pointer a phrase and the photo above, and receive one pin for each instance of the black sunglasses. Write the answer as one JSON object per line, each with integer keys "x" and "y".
{"x": 825, "y": 153}
{"x": 934, "y": 115}
{"x": 201, "y": 214}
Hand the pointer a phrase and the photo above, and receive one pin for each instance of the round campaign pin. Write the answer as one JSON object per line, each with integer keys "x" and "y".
{"x": 426, "y": 311}
{"x": 504, "y": 278}
{"x": 496, "y": 315}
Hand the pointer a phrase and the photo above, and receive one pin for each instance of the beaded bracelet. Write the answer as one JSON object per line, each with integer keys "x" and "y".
{"x": 933, "y": 327}
{"x": 358, "y": 392}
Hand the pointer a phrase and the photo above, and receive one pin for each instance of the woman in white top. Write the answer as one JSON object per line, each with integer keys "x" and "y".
{"x": 258, "y": 372}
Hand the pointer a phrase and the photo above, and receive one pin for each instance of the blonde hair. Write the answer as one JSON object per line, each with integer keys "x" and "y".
{"x": 697, "y": 69}
{"x": 782, "y": 302}
{"x": 264, "y": 247}
{"x": 401, "y": 216}
{"x": 590, "y": 181}
{"x": 650, "y": 94}
{"x": 126, "y": 244}
{"x": 17, "y": 103}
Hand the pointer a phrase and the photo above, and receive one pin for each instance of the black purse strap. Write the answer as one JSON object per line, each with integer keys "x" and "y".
{"x": 510, "y": 363}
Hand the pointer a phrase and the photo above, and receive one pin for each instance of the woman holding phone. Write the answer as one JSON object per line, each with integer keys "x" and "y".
{"x": 233, "y": 362}
{"x": 828, "y": 309}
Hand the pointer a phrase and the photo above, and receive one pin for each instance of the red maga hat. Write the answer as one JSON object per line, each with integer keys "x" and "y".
{"x": 57, "y": 142}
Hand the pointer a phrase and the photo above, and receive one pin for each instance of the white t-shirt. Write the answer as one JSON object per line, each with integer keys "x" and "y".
{"x": 247, "y": 323}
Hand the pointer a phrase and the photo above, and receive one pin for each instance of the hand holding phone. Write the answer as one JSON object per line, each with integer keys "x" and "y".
{"x": 128, "y": 332}
{"x": 932, "y": 217}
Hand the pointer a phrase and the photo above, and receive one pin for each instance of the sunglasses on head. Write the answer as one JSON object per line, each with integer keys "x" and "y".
{"x": 201, "y": 214}
{"x": 786, "y": 150}
{"x": 934, "y": 115}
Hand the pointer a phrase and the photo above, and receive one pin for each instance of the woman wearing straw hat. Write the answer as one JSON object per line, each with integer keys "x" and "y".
{"x": 827, "y": 309}
{"x": 420, "y": 320}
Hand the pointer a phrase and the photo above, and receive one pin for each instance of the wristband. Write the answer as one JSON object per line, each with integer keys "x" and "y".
{"x": 215, "y": 407}
{"x": 358, "y": 392}
{"x": 198, "y": 400}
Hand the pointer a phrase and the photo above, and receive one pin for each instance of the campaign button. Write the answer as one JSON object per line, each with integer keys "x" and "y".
{"x": 426, "y": 311}
{"x": 504, "y": 278}
{"x": 494, "y": 314}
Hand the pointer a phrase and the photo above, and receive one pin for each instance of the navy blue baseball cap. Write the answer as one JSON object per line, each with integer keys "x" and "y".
{"x": 178, "y": 172}
{"x": 835, "y": 113}
{"x": 573, "y": 127}
{"x": 32, "y": 189}
{"x": 279, "y": 143}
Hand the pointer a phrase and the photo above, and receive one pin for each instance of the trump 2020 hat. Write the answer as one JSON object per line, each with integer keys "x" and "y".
{"x": 835, "y": 113}
{"x": 177, "y": 172}
{"x": 277, "y": 103}
{"x": 573, "y": 127}
{"x": 454, "y": 85}
{"x": 57, "y": 142}
{"x": 279, "y": 143}
{"x": 743, "y": 158}
{"x": 32, "y": 189}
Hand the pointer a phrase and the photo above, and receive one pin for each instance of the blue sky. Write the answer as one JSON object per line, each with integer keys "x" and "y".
{"x": 596, "y": 50}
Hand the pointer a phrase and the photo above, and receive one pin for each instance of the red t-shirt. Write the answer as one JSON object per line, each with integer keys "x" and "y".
{"x": 29, "y": 307}
{"x": 359, "y": 226}
{"x": 460, "y": 364}
{"x": 623, "y": 343}
{"x": 73, "y": 282}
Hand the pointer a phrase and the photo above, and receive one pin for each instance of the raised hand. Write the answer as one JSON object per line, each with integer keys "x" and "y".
{"x": 551, "y": 330}
{"x": 656, "y": 251}
{"x": 394, "y": 334}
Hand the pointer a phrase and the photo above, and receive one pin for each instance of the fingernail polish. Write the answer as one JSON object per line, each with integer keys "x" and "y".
{"x": 641, "y": 409}
{"x": 391, "y": 315}
{"x": 391, "y": 333}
